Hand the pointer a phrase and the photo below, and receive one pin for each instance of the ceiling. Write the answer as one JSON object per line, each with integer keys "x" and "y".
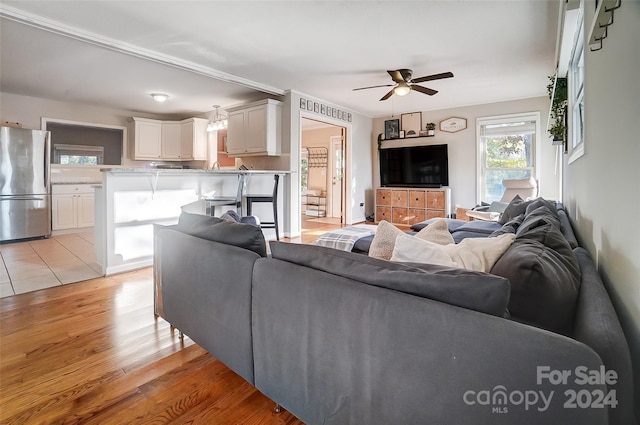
{"x": 201, "y": 53}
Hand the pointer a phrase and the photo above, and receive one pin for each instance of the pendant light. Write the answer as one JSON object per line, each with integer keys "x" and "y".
{"x": 218, "y": 122}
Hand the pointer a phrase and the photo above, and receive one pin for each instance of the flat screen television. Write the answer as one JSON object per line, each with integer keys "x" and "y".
{"x": 414, "y": 166}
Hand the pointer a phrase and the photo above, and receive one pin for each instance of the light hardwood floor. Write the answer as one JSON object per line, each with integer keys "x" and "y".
{"x": 94, "y": 353}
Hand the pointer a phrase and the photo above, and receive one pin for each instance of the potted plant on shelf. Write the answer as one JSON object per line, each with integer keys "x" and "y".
{"x": 557, "y": 90}
{"x": 431, "y": 129}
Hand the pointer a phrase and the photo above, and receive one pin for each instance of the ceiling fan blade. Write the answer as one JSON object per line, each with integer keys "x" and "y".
{"x": 424, "y": 90}
{"x": 432, "y": 77}
{"x": 373, "y": 87}
{"x": 396, "y": 75}
{"x": 388, "y": 95}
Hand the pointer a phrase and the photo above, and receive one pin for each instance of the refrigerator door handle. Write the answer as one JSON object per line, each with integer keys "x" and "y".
{"x": 20, "y": 198}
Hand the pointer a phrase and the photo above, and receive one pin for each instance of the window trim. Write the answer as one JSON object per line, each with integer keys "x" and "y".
{"x": 576, "y": 150}
{"x": 502, "y": 119}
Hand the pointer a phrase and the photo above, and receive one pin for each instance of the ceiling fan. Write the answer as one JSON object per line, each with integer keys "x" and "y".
{"x": 404, "y": 83}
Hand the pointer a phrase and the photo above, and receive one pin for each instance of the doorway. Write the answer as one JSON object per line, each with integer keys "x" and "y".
{"x": 322, "y": 167}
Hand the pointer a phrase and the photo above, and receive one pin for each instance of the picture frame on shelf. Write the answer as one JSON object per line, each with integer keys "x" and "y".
{"x": 309, "y": 105}
{"x": 303, "y": 103}
{"x": 316, "y": 107}
{"x": 391, "y": 129}
{"x": 323, "y": 109}
{"x": 411, "y": 124}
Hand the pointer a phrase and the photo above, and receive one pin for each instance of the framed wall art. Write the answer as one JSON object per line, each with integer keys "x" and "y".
{"x": 411, "y": 124}
{"x": 391, "y": 129}
{"x": 453, "y": 124}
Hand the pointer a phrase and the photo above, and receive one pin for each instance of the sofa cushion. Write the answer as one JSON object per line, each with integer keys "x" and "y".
{"x": 509, "y": 227}
{"x": 516, "y": 207}
{"x": 567, "y": 230}
{"x": 544, "y": 281}
{"x": 412, "y": 249}
{"x": 464, "y": 288}
{"x": 224, "y": 231}
{"x": 479, "y": 254}
{"x": 384, "y": 240}
{"x": 452, "y": 223}
{"x": 437, "y": 232}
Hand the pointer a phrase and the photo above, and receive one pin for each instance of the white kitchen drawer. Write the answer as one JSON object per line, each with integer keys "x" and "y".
{"x": 65, "y": 189}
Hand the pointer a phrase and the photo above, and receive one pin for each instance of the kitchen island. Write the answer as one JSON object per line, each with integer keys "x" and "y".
{"x": 130, "y": 201}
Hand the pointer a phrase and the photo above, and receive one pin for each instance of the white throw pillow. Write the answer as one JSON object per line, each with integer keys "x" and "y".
{"x": 415, "y": 250}
{"x": 479, "y": 254}
{"x": 436, "y": 232}
{"x": 384, "y": 240}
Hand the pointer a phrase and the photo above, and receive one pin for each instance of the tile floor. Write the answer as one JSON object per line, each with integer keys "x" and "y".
{"x": 44, "y": 263}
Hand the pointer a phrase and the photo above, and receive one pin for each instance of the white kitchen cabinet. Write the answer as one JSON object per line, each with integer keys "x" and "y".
{"x": 148, "y": 139}
{"x": 170, "y": 140}
{"x": 255, "y": 129}
{"x": 72, "y": 206}
{"x": 193, "y": 134}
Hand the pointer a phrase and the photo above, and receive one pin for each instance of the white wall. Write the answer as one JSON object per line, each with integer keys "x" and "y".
{"x": 601, "y": 189}
{"x": 462, "y": 146}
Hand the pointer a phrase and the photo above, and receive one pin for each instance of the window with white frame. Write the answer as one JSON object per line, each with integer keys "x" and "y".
{"x": 506, "y": 150}
{"x": 576, "y": 92}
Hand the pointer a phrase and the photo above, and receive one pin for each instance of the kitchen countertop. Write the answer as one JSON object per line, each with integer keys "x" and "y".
{"x": 188, "y": 171}
{"x": 78, "y": 182}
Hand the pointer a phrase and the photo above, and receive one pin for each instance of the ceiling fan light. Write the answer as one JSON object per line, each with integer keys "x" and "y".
{"x": 159, "y": 97}
{"x": 402, "y": 89}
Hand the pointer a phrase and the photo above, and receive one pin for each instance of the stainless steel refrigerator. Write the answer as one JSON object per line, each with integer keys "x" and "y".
{"x": 25, "y": 190}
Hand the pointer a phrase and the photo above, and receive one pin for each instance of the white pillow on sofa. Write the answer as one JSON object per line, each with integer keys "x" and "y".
{"x": 479, "y": 254}
{"x": 410, "y": 249}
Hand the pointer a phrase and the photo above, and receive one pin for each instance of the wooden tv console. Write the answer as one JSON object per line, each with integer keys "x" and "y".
{"x": 410, "y": 205}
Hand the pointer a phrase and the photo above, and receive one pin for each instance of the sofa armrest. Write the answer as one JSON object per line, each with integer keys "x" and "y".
{"x": 205, "y": 289}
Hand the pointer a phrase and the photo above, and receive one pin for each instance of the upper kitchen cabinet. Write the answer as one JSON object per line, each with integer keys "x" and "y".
{"x": 148, "y": 139}
{"x": 255, "y": 129}
{"x": 184, "y": 140}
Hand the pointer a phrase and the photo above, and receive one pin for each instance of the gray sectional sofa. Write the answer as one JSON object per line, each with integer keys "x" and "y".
{"x": 341, "y": 338}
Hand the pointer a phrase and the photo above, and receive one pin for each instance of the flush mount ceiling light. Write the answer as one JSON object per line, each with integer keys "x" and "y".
{"x": 159, "y": 97}
{"x": 218, "y": 122}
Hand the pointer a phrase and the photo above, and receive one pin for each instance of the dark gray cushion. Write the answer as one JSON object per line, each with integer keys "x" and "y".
{"x": 231, "y": 215}
{"x": 478, "y": 226}
{"x": 516, "y": 207}
{"x": 224, "y": 231}
{"x": 545, "y": 280}
{"x": 452, "y": 224}
{"x": 510, "y": 226}
{"x": 567, "y": 230}
{"x": 464, "y": 288}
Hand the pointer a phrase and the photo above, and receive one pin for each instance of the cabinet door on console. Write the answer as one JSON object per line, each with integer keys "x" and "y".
{"x": 400, "y": 216}
{"x": 383, "y": 213}
{"x": 417, "y": 199}
{"x": 416, "y": 215}
{"x": 399, "y": 198}
{"x": 435, "y": 200}
{"x": 383, "y": 197}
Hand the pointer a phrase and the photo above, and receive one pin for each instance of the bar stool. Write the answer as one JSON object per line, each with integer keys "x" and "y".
{"x": 212, "y": 203}
{"x": 273, "y": 198}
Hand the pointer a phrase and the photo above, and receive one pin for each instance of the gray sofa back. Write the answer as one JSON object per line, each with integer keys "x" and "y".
{"x": 333, "y": 350}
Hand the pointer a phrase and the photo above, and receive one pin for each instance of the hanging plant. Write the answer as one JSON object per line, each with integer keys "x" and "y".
{"x": 557, "y": 90}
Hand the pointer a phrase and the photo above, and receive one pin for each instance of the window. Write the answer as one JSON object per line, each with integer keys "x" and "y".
{"x": 506, "y": 150}
{"x": 576, "y": 92}
{"x": 78, "y": 154}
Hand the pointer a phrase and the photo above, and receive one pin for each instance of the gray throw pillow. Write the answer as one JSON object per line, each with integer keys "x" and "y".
{"x": 224, "y": 231}
{"x": 516, "y": 207}
{"x": 545, "y": 278}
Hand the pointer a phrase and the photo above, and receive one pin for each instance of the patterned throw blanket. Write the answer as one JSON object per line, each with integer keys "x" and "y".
{"x": 345, "y": 238}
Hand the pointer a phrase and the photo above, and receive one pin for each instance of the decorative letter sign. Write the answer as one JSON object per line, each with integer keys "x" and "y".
{"x": 453, "y": 124}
